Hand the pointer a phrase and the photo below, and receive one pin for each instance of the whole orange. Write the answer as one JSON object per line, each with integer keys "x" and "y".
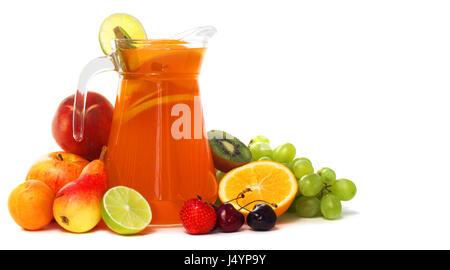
{"x": 31, "y": 205}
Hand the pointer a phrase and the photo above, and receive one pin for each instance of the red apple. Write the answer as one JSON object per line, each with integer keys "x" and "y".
{"x": 97, "y": 125}
{"x": 57, "y": 169}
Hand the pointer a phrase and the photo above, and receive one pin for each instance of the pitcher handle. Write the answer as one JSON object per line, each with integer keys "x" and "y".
{"x": 94, "y": 67}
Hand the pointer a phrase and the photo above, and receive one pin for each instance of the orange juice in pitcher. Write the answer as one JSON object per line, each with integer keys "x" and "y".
{"x": 158, "y": 144}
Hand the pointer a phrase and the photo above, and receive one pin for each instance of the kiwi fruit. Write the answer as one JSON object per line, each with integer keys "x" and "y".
{"x": 228, "y": 151}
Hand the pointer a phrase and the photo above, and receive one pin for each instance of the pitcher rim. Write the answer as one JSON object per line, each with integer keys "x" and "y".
{"x": 192, "y": 38}
{"x": 186, "y": 43}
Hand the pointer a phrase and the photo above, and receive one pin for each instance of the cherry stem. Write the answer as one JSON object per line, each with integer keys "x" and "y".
{"x": 240, "y": 195}
{"x": 266, "y": 202}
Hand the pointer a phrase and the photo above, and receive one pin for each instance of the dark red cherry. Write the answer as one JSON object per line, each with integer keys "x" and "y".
{"x": 228, "y": 218}
{"x": 262, "y": 217}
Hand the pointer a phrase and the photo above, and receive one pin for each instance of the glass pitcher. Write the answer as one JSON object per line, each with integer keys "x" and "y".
{"x": 158, "y": 144}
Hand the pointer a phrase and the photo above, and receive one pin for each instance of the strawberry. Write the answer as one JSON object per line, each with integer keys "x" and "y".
{"x": 198, "y": 217}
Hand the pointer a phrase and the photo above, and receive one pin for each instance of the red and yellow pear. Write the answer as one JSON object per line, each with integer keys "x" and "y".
{"x": 77, "y": 206}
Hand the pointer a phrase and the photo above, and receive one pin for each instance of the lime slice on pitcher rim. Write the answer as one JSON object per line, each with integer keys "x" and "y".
{"x": 127, "y": 23}
{"x": 125, "y": 211}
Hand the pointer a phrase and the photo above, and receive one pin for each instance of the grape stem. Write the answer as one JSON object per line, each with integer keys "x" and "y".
{"x": 325, "y": 188}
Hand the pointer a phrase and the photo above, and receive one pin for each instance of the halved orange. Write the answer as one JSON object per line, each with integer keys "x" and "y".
{"x": 261, "y": 180}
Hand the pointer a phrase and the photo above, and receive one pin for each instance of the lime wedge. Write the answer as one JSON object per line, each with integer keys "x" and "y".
{"x": 125, "y": 211}
{"x": 129, "y": 26}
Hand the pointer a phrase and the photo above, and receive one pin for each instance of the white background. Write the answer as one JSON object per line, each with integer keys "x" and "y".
{"x": 358, "y": 86}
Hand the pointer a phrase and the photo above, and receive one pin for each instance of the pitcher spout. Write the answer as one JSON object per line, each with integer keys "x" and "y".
{"x": 200, "y": 34}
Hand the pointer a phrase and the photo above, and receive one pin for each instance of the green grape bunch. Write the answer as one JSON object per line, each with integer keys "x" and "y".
{"x": 319, "y": 193}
